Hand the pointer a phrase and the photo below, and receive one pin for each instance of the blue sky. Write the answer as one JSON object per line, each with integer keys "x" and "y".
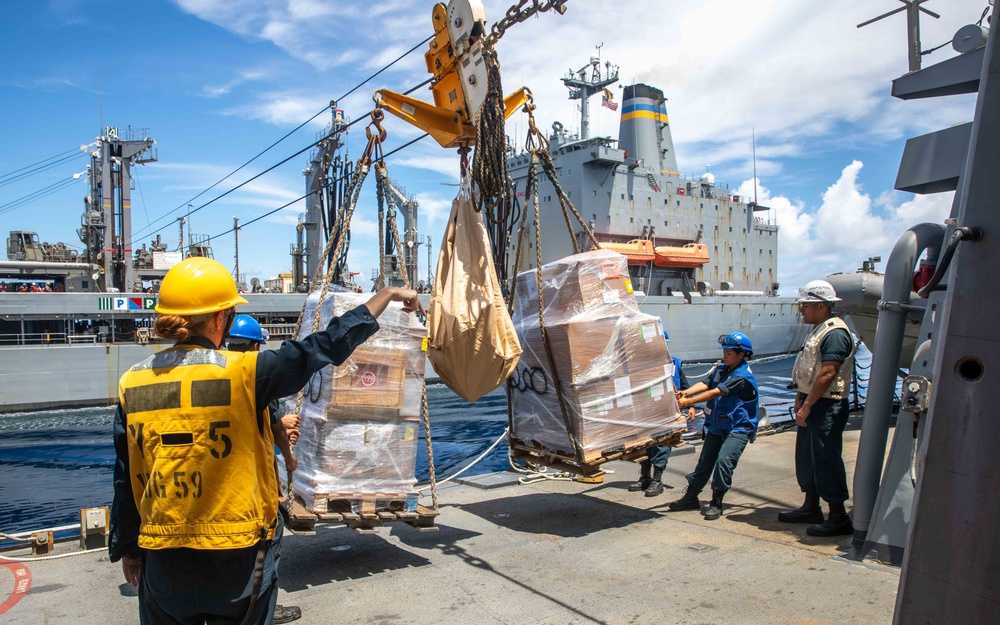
{"x": 217, "y": 81}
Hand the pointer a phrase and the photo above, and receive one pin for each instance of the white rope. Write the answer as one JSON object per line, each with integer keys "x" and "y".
{"x": 696, "y": 377}
{"x": 471, "y": 464}
{"x": 538, "y": 474}
{"x": 57, "y": 556}
{"x": 20, "y": 535}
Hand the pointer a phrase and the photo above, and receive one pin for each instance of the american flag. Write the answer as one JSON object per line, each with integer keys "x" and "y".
{"x": 608, "y": 100}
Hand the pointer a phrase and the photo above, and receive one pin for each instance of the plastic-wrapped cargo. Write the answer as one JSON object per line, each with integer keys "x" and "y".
{"x": 359, "y": 422}
{"x": 612, "y": 362}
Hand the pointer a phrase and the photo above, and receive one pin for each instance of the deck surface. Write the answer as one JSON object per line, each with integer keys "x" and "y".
{"x": 552, "y": 553}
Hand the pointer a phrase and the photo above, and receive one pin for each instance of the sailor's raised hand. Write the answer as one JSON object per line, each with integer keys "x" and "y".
{"x": 410, "y": 302}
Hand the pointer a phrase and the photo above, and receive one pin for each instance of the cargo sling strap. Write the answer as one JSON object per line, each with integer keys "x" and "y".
{"x": 538, "y": 146}
{"x": 386, "y": 204}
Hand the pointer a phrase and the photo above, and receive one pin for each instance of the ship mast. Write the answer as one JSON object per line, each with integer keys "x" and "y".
{"x": 913, "y": 10}
{"x": 587, "y": 81}
{"x": 107, "y": 222}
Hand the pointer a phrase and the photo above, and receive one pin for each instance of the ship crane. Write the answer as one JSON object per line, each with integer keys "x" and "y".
{"x": 411, "y": 242}
{"x": 322, "y": 197}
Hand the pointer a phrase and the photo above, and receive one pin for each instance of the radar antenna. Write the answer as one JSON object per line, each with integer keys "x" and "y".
{"x": 754, "y": 206}
{"x": 913, "y": 9}
{"x": 587, "y": 81}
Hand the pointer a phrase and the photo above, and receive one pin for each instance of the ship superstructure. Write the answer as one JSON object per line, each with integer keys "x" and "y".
{"x": 683, "y": 234}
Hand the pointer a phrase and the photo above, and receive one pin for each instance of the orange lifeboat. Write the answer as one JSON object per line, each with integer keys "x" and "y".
{"x": 638, "y": 251}
{"x": 689, "y": 256}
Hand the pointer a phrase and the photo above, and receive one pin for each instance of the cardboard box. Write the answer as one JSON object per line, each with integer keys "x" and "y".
{"x": 360, "y": 456}
{"x": 583, "y": 350}
{"x": 642, "y": 343}
{"x": 593, "y": 283}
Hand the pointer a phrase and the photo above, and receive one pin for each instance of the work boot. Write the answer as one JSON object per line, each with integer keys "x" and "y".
{"x": 837, "y": 524}
{"x": 808, "y": 512}
{"x": 644, "y": 479}
{"x": 688, "y": 502}
{"x": 656, "y": 486}
{"x": 286, "y": 614}
{"x": 714, "y": 509}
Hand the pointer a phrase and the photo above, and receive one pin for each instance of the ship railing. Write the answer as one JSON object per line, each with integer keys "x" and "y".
{"x": 33, "y": 338}
{"x": 81, "y": 339}
{"x": 280, "y": 330}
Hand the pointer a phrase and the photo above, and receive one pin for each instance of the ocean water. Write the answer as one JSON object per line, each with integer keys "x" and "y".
{"x": 53, "y": 463}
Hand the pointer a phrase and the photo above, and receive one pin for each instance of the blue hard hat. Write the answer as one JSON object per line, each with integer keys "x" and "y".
{"x": 666, "y": 337}
{"x": 736, "y": 340}
{"x": 246, "y": 327}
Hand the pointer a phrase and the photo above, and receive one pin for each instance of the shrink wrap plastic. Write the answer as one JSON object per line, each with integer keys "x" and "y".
{"x": 359, "y": 421}
{"x": 612, "y": 361}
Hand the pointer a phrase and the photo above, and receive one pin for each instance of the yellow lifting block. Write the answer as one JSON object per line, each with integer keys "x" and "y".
{"x": 459, "y": 78}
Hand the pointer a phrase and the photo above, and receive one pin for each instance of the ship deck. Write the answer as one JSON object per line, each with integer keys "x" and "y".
{"x": 552, "y": 552}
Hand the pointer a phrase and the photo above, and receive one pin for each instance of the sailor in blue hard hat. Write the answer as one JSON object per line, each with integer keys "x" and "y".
{"x": 651, "y": 469}
{"x": 247, "y": 335}
{"x": 246, "y": 331}
{"x": 730, "y": 423}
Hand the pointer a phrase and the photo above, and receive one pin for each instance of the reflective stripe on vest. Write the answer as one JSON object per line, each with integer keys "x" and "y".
{"x": 810, "y": 361}
{"x": 202, "y": 471}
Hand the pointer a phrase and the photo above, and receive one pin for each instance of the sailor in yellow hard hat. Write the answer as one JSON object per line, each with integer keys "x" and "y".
{"x": 195, "y": 500}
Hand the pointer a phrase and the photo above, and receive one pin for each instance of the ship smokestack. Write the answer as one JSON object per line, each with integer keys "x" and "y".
{"x": 645, "y": 129}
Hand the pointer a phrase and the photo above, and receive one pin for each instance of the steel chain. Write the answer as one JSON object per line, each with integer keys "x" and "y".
{"x": 515, "y": 15}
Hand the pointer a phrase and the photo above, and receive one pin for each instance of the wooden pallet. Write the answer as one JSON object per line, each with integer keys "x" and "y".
{"x": 340, "y": 509}
{"x": 534, "y": 453}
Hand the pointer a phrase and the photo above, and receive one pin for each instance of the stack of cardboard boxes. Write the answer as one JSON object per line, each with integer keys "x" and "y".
{"x": 611, "y": 361}
{"x": 359, "y": 421}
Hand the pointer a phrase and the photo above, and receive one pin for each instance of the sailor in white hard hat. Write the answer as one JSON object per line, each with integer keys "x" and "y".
{"x": 822, "y": 376}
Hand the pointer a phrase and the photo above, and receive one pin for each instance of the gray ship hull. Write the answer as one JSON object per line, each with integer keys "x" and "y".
{"x": 44, "y": 377}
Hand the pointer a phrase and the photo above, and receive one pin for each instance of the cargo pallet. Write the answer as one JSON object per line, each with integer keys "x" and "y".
{"x": 376, "y": 510}
{"x": 590, "y": 466}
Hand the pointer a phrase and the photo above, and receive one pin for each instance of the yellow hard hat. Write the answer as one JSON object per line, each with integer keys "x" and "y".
{"x": 197, "y": 286}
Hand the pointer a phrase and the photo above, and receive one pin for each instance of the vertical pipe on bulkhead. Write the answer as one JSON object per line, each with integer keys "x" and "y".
{"x": 885, "y": 362}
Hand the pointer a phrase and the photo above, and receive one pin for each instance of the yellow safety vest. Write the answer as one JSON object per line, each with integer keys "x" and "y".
{"x": 202, "y": 463}
{"x": 809, "y": 361}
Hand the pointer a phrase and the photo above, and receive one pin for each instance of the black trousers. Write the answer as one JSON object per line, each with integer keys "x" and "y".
{"x": 819, "y": 451}
{"x": 719, "y": 456}
{"x": 197, "y": 586}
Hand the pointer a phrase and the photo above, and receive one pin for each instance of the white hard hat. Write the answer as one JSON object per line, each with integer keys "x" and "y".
{"x": 817, "y": 291}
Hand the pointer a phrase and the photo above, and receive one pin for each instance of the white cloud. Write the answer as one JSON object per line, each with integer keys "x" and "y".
{"x": 846, "y": 228}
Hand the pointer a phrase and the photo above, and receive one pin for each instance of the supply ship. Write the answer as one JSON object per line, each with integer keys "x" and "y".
{"x": 701, "y": 257}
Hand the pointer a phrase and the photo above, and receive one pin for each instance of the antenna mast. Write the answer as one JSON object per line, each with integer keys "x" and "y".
{"x": 754, "y": 206}
{"x": 581, "y": 86}
{"x": 913, "y": 10}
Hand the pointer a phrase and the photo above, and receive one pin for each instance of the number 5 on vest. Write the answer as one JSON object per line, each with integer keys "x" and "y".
{"x": 227, "y": 444}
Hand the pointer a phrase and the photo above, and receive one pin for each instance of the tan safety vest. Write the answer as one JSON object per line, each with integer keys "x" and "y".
{"x": 202, "y": 464}
{"x": 809, "y": 361}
